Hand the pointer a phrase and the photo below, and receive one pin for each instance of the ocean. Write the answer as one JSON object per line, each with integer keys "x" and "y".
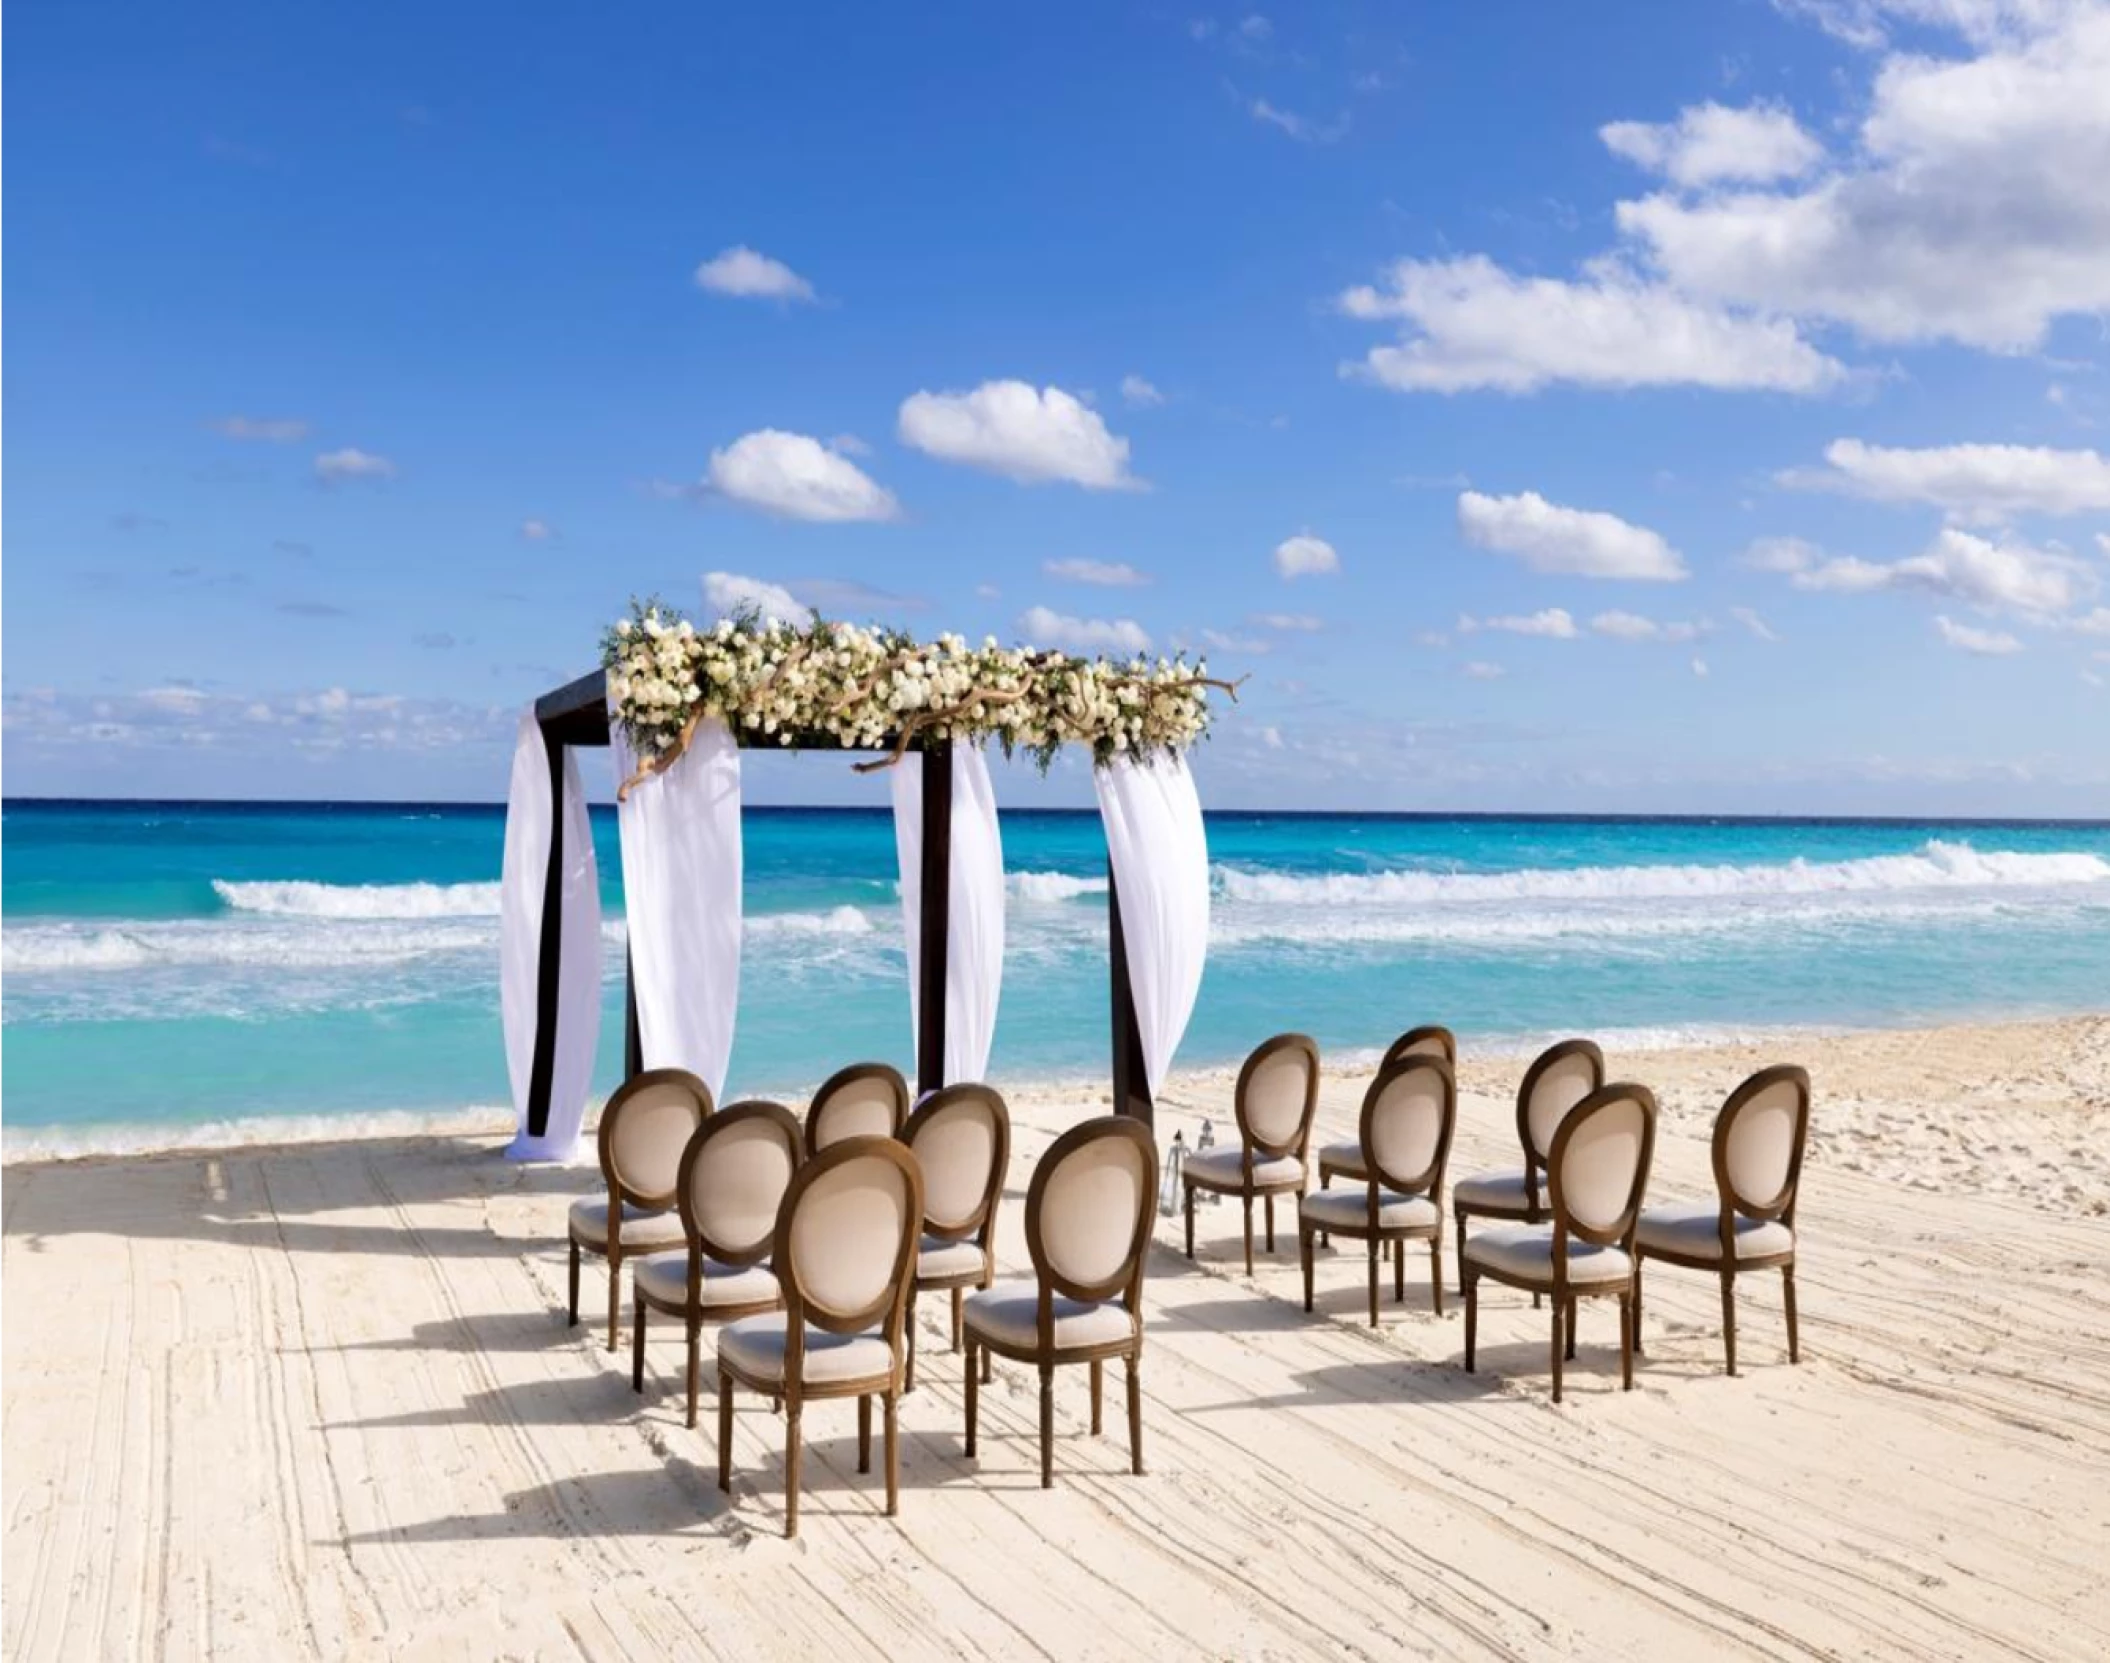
{"x": 175, "y": 972}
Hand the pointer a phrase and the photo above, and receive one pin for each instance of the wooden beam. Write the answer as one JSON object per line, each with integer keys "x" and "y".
{"x": 1131, "y": 1078}
{"x": 934, "y": 927}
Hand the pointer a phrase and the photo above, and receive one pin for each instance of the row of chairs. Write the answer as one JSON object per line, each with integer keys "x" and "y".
{"x": 1568, "y": 1225}
{"x": 810, "y": 1242}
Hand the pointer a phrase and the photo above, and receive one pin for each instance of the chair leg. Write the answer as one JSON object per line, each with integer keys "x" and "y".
{"x": 615, "y": 1297}
{"x": 1248, "y": 1234}
{"x": 1470, "y": 1287}
{"x": 1626, "y": 1342}
{"x": 1271, "y": 1224}
{"x": 1189, "y": 1188}
{"x": 1787, "y": 1295}
{"x": 1572, "y": 1325}
{"x": 1399, "y": 1270}
{"x": 1638, "y": 1264}
{"x": 792, "y": 1452}
{"x": 1325, "y": 1236}
{"x": 1559, "y": 1306}
{"x": 958, "y": 1295}
{"x": 974, "y": 1376}
{"x": 909, "y": 1371}
{"x": 1304, "y": 1258}
{"x": 893, "y": 1454}
{"x": 864, "y": 1432}
{"x": 1374, "y": 1246}
{"x": 1098, "y": 1387}
{"x": 1047, "y": 1426}
{"x": 725, "y": 1430}
{"x": 571, "y": 1317}
{"x": 1729, "y": 1318}
{"x": 1461, "y": 1253}
{"x": 988, "y": 1366}
{"x": 1135, "y": 1417}
{"x": 1436, "y": 1273}
{"x": 695, "y": 1365}
{"x": 637, "y": 1347}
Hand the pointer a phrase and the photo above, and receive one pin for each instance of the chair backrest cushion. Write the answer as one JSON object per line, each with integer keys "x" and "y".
{"x": 961, "y": 1141}
{"x": 1088, "y": 1208}
{"x": 1759, "y": 1138}
{"x": 865, "y": 1100}
{"x": 1277, "y": 1091}
{"x": 1600, "y": 1161}
{"x": 1408, "y": 1115}
{"x": 1560, "y": 1077}
{"x": 847, "y": 1232}
{"x": 734, "y": 1175}
{"x": 645, "y": 1128}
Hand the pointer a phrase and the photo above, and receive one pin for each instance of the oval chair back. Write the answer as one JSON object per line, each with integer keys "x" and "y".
{"x": 1278, "y": 1092}
{"x": 845, "y": 1241}
{"x": 1409, "y": 1113}
{"x": 1428, "y": 1041}
{"x": 1088, "y": 1214}
{"x": 1758, "y": 1143}
{"x": 1598, "y": 1167}
{"x": 1559, "y": 1077}
{"x": 734, "y": 1175}
{"x": 644, "y": 1130}
{"x": 865, "y": 1100}
{"x": 961, "y": 1136}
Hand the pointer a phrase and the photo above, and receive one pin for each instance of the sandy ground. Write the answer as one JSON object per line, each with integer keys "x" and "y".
{"x": 320, "y": 1401}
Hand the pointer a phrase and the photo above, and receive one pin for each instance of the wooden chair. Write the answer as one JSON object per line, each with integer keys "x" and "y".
{"x": 961, "y": 1137}
{"x": 733, "y": 1176}
{"x": 1277, "y": 1093}
{"x": 1408, "y": 1115}
{"x": 865, "y": 1100}
{"x": 1758, "y": 1143}
{"x": 1345, "y": 1159}
{"x": 1595, "y": 1172}
{"x": 1560, "y": 1077}
{"x": 843, "y": 1250}
{"x": 1088, "y": 1225}
{"x": 644, "y": 1129}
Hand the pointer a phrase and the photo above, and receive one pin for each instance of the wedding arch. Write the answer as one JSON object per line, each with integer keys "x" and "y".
{"x": 676, "y": 704}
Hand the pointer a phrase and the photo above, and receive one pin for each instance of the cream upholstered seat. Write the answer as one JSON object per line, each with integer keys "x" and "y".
{"x": 1344, "y": 1159}
{"x": 1596, "y": 1170}
{"x": 1088, "y": 1212}
{"x": 961, "y": 1136}
{"x": 1277, "y": 1092}
{"x": 1408, "y": 1115}
{"x": 642, "y": 1230}
{"x": 644, "y": 1128}
{"x": 733, "y": 1174}
{"x": 865, "y": 1100}
{"x": 1758, "y": 1144}
{"x": 844, "y": 1250}
{"x": 1559, "y": 1077}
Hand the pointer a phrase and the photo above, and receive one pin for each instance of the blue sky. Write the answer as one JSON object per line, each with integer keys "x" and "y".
{"x": 1658, "y": 407}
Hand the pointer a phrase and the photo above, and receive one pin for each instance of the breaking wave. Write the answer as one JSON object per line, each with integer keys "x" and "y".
{"x": 291, "y": 898}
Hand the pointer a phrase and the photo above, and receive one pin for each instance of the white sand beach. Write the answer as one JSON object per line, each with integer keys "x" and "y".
{"x": 319, "y": 1401}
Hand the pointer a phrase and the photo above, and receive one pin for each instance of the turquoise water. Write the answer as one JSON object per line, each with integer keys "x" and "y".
{"x": 168, "y": 966}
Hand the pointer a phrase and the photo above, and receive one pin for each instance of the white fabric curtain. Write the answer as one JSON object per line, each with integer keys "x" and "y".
{"x": 529, "y": 816}
{"x": 681, "y": 895}
{"x": 1160, "y": 858}
{"x": 974, "y": 951}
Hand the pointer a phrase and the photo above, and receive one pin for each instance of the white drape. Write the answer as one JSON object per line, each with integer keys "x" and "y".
{"x": 1160, "y": 858}
{"x": 529, "y": 817}
{"x": 974, "y": 951}
{"x": 681, "y": 895}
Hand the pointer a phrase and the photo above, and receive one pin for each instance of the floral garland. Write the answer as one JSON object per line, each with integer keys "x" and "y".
{"x": 859, "y": 688}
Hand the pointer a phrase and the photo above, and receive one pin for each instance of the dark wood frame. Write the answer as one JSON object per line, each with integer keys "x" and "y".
{"x": 849, "y": 1076}
{"x": 1299, "y": 1146}
{"x": 1533, "y": 1210}
{"x": 1125, "y": 1283}
{"x": 1380, "y": 1182}
{"x": 1397, "y": 1051}
{"x": 887, "y": 1312}
{"x": 1782, "y": 1207}
{"x": 979, "y": 1226}
{"x": 619, "y": 1194}
{"x": 703, "y": 1246}
{"x": 576, "y": 714}
{"x": 1562, "y": 1294}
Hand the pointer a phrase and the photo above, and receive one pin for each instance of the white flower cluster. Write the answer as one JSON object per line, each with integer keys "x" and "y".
{"x": 843, "y": 685}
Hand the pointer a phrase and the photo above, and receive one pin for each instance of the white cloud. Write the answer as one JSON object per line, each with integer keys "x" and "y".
{"x": 1299, "y": 623}
{"x": 1009, "y": 428}
{"x": 337, "y": 466}
{"x": 1631, "y": 626}
{"x": 1139, "y": 393}
{"x": 1995, "y": 577}
{"x": 1256, "y": 28}
{"x": 729, "y": 592}
{"x": 1108, "y": 574}
{"x": 1709, "y": 143}
{"x": 2091, "y": 678}
{"x": 797, "y": 478}
{"x": 849, "y": 444}
{"x": 1576, "y": 542}
{"x": 1753, "y": 622}
{"x": 1305, "y": 556}
{"x": 1782, "y": 554}
{"x": 1470, "y": 324}
{"x": 988, "y": 592}
{"x": 2096, "y": 622}
{"x": 1301, "y": 128}
{"x": 1271, "y": 737}
{"x": 1987, "y": 643}
{"x": 1481, "y": 670}
{"x": 1217, "y": 640}
{"x": 536, "y": 531}
{"x": 176, "y": 700}
{"x": 1979, "y": 483}
{"x": 747, "y": 275}
{"x": 275, "y": 430}
{"x": 1553, "y": 623}
{"x": 1045, "y": 628}
{"x": 1699, "y": 668}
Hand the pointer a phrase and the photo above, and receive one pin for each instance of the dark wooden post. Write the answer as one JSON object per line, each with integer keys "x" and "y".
{"x": 551, "y": 951}
{"x": 1131, "y": 1079}
{"x": 934, "y": 926}
{"x": 633, "y": 1036}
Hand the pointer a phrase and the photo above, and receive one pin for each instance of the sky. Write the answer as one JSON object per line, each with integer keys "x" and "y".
{"x": 1651, "y": 408}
